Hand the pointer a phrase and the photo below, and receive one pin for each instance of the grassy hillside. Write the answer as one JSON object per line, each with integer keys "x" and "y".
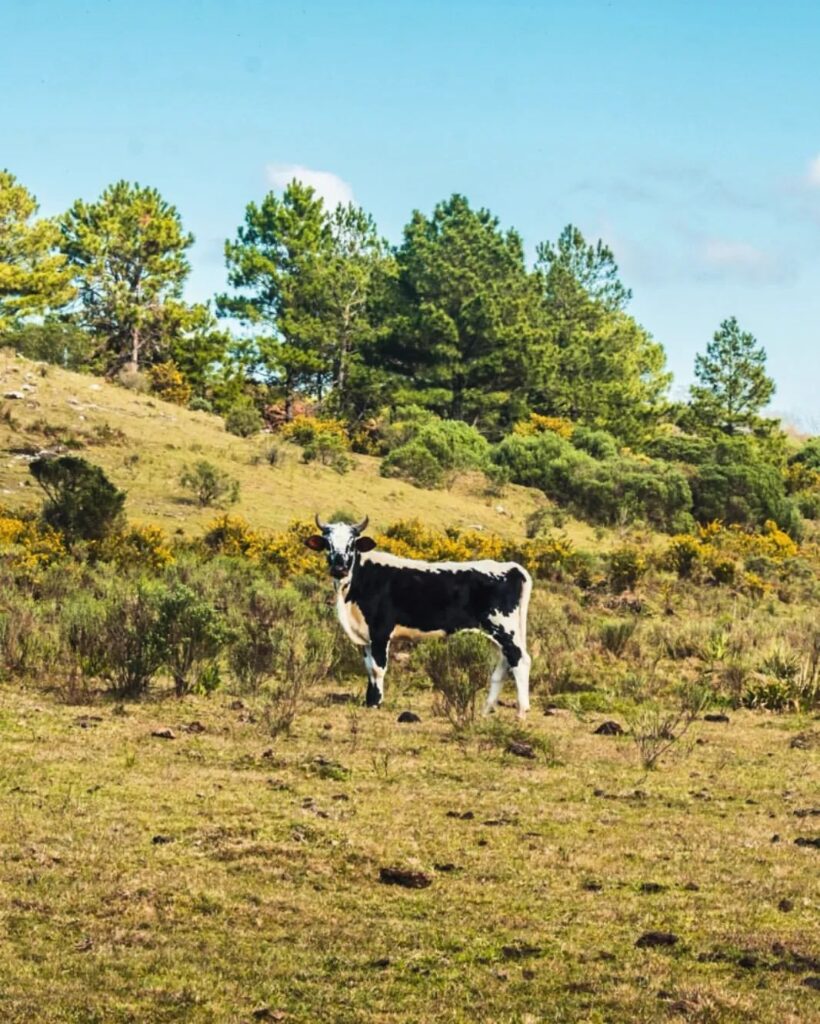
{"x": 144, "y": 444}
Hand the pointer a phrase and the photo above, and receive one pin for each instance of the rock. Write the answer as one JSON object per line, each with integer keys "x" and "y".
{"x": 775, "y": 838}
{"x": 406, "y": 879}
{"x": 590, "y": 885}
{"x": 461, "y": 815}
{"x": 161, "y": 840}
{"x": 14, "y": 394}
{"x": 749, "y": 961}
{"x": 87, "y": 721}
{"x": 520, "y": 951}
{"x": 236, "y": 705}
{"x": 813, "y": 981}
{"x": 651, "y": 887}
{"x": 609, "y": 729}
{"x": 445, "y": 868}
{"x": 692, "y": 887}
{"x": 806, "y": 812}
{"x": 164, "y": 734}
{"x": 194, "y": 727}
{"x": 805, "y": 741}
{"x": 718, "y": 717}
{"x": 408, "y": 716}
{"x": 265, "y": 1013}
{"x": 656, "y": 940}
{"x": 808, "y": 841}
{"x": 785, "y": 905}
{"x": 520, "y": 749}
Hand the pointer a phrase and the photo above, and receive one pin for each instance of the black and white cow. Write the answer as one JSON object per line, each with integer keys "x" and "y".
{"x": 380, "y": 596}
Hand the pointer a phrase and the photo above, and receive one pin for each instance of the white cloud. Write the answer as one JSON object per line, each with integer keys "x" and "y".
{"x": 723, "y": 254}
{"x": 326, "y": 184}
{"x": 813, "y": 173}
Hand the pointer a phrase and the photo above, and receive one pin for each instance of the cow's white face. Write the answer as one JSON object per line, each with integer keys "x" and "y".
{"x": 341, "y": 542}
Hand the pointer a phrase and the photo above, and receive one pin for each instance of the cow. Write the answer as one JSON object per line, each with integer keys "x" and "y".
{"x": 380, "y": 596}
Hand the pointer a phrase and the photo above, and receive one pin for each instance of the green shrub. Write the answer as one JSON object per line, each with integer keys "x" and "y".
{"x": 597, "y": 443}
{"x": 459, "y": 668}
{"x": 426, "y": 450}
{"x": 625, "y": 566}
{"x": 615, "y": 634}
{"x": 81, "y": 501}
{"x": 243, "y": 419}
{"x": 329, "y": 450}
{"x": 414, "y": 463}
{"x": 210, "y": 484}
{"x": 53, "y": 342}
{"x": 132, "y": 643}
{"x": 199, "y": 404}
{"x": 194, "y": 634}
{"x": 614, "y": 490}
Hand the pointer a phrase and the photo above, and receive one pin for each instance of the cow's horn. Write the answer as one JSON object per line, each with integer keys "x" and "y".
{"x": 362, "y": 526}
{"x": 319, "y": 523}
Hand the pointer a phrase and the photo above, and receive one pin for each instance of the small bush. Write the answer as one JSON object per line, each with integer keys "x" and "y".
{"x": 209, "y": 484}
{"x": 194, "y": 634}
{"x": 82, "y": 503}
{"x": 459, "y": 668}
{"x": 428, "y": 451}
{"x": 625, "y": 566}
{"x": 199, "y": 404}
{"x": 655, "y": 730}
{"x": 131, "y": 643}
{"x": 328, "y": 450}
{"x": 134, "y": 380}
{"x": 243, "y": 419}
{"x": 615, "y": 634}
{"x": 168, "y": 383}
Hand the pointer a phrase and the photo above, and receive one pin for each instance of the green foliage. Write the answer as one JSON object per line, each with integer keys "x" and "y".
{"x": 329, "y": 450}
{"x": 625, "y": 566}
{"x": 127, "y": 252}
{"x": 243, "y": 419}
{"x": 735, "y": 485}
{"x": 306, "y": 278}
{"x": 615, "y": 634}
{"x": 81, "y": 501}
{"x": 210, "y": 484}
{"x": 459, "y": 668}
{"x": 33, "y": 275}
{"x": 466, "y": 336}
{"x": 198, "y": 404}
{"x": 607, "y": 371}
{"x": 732, "y": 384}
{"x": 52, "y": 341}
{"x": 607, "y": 491}
{"x": 598, "y": 443}
{"x": 194, "y": 634}
{"x": 427, "y": 450}
{"x": 131, "y": 643}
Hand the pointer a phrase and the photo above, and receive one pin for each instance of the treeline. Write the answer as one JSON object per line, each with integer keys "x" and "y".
{"x": 450, "y": 326}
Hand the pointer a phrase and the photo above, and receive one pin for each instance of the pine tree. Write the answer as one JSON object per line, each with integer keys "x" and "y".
{"x": 732, "y": 383}
{"x": 34, "y": 279}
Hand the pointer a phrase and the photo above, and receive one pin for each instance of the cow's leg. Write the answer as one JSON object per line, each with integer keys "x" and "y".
{"x": 521, "y": 675}
{"x": 375, "y": 660}
{"x": 496, "y": 682}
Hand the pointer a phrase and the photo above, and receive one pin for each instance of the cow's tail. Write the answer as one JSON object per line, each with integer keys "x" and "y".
{"x": 523, "y": 606}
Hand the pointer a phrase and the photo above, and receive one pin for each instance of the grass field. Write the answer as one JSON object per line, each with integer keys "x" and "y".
{"x": 144, "y": 444}
{"x": 215, "y": 877}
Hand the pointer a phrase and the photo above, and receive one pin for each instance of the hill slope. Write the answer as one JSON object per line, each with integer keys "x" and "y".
{"x": 143, "y": 444}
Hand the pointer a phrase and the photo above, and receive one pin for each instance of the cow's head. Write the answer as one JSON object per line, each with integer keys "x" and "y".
{"x": 341, "y": 541}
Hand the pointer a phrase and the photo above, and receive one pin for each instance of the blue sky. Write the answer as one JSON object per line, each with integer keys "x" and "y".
{"x": 687, "y": 135}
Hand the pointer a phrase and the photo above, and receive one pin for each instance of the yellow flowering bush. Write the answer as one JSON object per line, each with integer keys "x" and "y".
{"x": 28, "y": 546}
{"x": 306, "y": 430}
{"x": 168, "y": 383}
{"x": 144, "y": 547}
{"x": 537, "y": 424}
{"x": 283, "y": 550}
{"x": 718, "y": 551}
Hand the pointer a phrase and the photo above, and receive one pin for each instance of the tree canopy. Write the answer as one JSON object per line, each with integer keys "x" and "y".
{"x": 34, "y": 279}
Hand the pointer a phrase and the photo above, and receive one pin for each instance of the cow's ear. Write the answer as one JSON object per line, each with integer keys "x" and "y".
{"x": 365, "y": 544}
{"x": 316, "y": 542}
